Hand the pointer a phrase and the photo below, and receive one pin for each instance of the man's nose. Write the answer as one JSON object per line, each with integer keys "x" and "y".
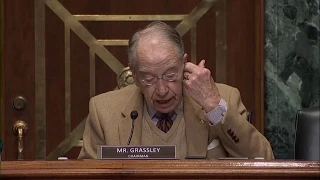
{"x": 162, "y": 87}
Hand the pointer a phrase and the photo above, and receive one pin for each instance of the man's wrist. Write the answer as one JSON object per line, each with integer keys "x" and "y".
{"x": 216, "y": 115}
{"x": 212, "y": 105}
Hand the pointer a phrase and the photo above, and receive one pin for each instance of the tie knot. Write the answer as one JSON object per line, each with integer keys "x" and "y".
{"x": 165, "y": 116}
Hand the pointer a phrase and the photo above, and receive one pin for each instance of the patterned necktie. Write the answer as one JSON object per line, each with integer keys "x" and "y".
{"x": 165, "y": 122}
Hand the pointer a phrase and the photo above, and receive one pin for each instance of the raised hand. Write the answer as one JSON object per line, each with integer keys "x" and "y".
{"x": 200, "y": 86}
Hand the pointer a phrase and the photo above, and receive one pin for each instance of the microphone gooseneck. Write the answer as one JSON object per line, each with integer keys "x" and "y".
{"x": 133, "y": 115}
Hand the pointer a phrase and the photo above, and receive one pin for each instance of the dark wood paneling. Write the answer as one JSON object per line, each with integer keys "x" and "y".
{"x": 206, "y": 40}
{"x": 187, "y": 45}
{"x": 55, "y": 76}
{"x": 18, "y": 63}
{"x": 259, "y": 66}
{"x": 129, "y": 7}
{"x": 113, "y": 30}
{"x": 80, "y": 82}
{"x": 2, "y": 73}
{"x": 106, "y": 79}
{"x": 244, "y": 58}
{"x": 73, "y": 153}
{"x": 240, "y": 39}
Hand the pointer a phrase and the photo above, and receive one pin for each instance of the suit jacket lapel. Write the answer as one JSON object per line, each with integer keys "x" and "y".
{"x": 135, "y": 102}
{"x": 197, "y": 128}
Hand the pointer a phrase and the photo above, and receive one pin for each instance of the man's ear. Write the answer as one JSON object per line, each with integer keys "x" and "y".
{"x": 185, "y": 57}
{"x": 136, "y": 80}
{"x": 131, "y": 68}
{"x": 134, "y": 75}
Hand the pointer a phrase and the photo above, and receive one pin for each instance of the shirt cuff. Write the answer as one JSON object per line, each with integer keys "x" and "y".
{"x": 216, "y": 115}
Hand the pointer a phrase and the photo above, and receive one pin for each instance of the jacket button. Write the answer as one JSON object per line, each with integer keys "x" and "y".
{"x": 237, "y": 140}
{"x": 229, "y": 131}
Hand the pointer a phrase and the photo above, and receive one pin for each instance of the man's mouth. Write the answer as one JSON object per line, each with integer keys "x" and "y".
{"x": 163, "y": 101}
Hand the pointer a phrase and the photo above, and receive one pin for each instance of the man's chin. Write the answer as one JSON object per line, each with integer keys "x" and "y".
{"x": 165, "y": 109}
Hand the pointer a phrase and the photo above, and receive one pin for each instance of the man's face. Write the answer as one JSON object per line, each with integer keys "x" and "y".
{"x": 159, "y": 74}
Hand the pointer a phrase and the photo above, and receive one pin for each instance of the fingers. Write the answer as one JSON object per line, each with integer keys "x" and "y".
{"x": 202, "y": 62}
{"x": 190, "y": 67}
{"x": 196, "y": 74}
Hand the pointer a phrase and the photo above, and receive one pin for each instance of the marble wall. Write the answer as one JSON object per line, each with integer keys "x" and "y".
{"x": 292, "y": 68}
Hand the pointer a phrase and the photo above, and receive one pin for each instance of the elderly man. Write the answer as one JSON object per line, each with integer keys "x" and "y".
{"x": 178, "y": 103}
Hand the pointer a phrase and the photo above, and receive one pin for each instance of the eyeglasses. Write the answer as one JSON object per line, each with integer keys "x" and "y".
{"x": 166, "y": 77}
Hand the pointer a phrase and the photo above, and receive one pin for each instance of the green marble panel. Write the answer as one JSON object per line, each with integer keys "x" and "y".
{"x": 292, "y": 68}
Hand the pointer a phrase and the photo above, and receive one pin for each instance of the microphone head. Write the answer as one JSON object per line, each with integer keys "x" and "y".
{"x": 134, "y": 115}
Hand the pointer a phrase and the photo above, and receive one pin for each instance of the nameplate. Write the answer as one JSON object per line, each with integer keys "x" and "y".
{"x": 137, "y": 152}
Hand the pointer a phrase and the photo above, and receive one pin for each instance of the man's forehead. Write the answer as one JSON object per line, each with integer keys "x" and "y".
{"x": 146, "y": 68}
{"x": 158, "y": 57}
{"x": 151, "y": 41}
{"x": 153, "y": 54}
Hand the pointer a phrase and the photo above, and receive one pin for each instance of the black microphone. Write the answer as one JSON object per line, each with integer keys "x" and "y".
{"x": 133, "y": 115}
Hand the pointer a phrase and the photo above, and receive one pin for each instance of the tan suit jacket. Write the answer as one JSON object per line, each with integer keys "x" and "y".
{"x": 109, "y": 123}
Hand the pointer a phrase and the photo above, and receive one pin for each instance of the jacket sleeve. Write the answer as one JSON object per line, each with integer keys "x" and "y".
{"x": 238, "y": 136}
{"x": 93, "y": 134}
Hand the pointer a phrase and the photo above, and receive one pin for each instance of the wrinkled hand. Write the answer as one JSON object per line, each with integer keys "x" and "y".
{"x": 200, "y": 86}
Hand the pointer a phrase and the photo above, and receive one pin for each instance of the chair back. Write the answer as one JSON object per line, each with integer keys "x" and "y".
{"x": 307, "y": 136}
